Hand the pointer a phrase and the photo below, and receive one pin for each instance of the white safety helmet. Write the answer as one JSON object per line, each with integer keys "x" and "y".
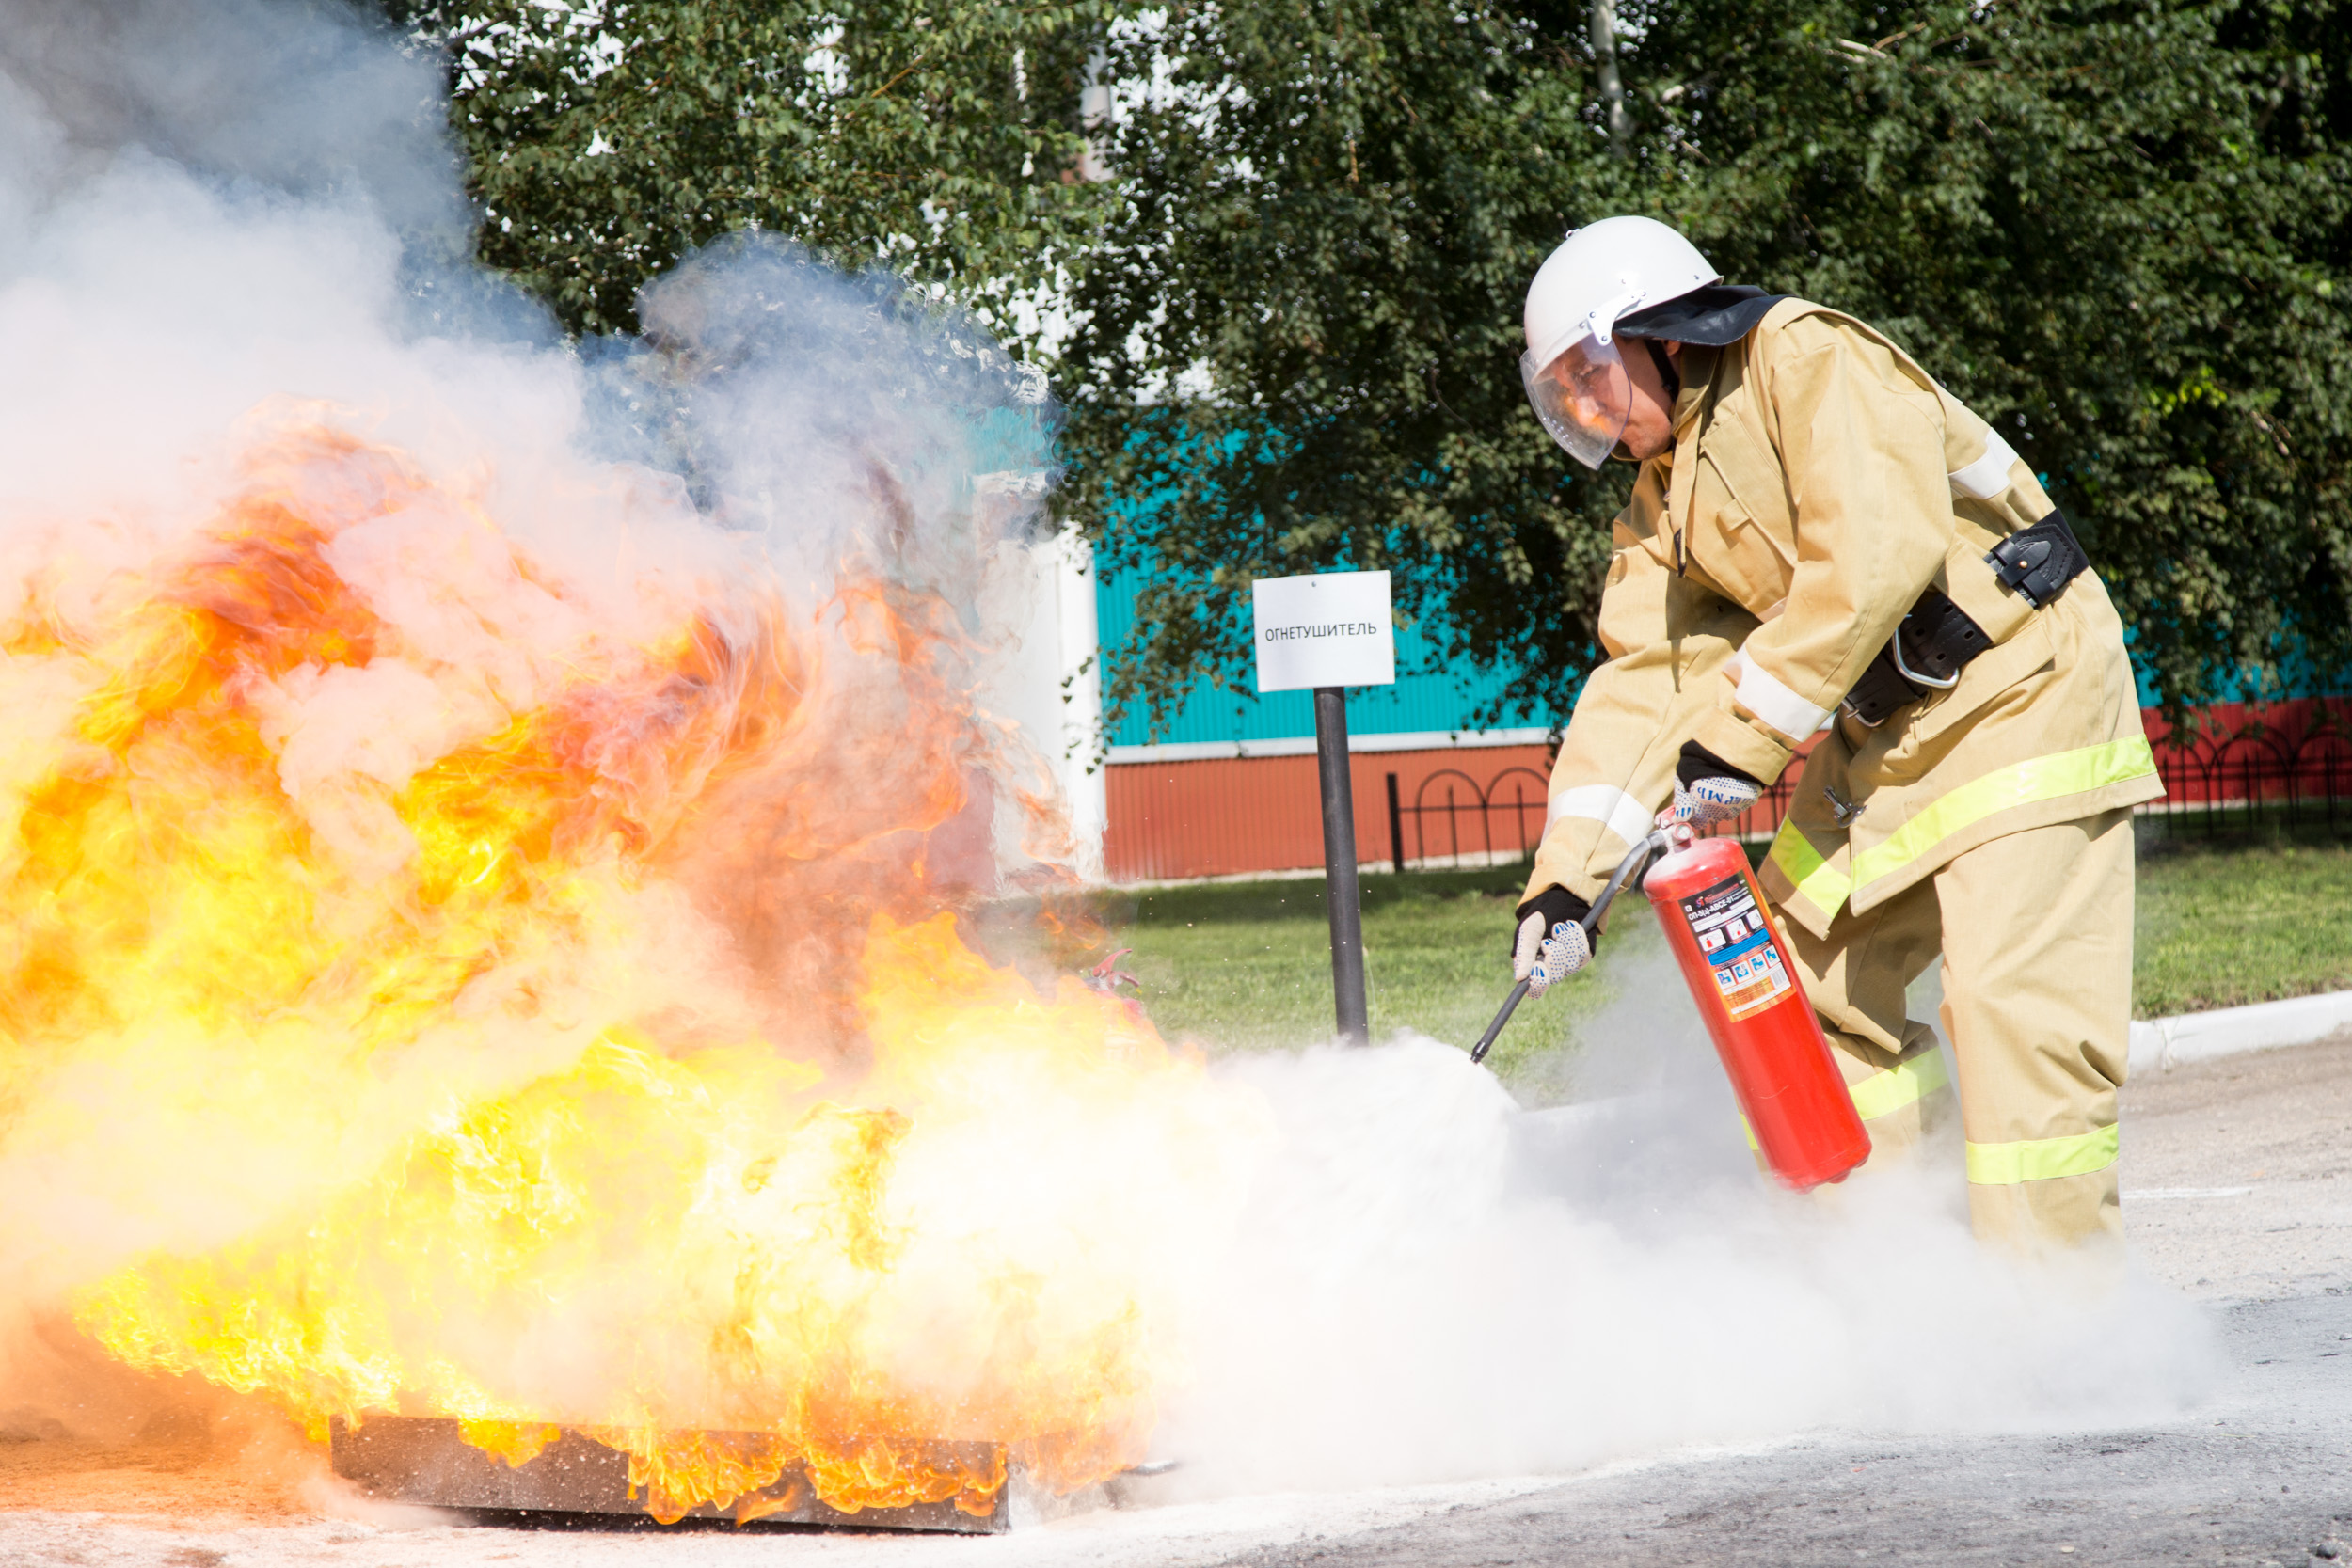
{"x": 1601, "y": 274}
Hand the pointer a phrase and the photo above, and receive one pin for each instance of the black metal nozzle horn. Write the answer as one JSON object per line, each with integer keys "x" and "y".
{"x": 1627, "y": 869}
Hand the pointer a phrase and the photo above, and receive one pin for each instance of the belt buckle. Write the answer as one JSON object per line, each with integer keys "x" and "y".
{"x": 1903, "y": 667}
{"x": 1846, "y": 706}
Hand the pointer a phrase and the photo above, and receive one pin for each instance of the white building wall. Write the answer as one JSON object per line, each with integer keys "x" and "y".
{"x": 1051, "y": 685}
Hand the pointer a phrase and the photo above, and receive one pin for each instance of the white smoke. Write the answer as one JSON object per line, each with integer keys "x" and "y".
{"x": 1435, "y": 1284}
{"x": 216, "y": 218}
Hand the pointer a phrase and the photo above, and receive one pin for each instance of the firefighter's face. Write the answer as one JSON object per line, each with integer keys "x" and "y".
{"x": 1650, "y": 424}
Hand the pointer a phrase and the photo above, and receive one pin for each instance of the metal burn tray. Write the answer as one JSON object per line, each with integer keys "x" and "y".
{"x": 427, "y": 1460}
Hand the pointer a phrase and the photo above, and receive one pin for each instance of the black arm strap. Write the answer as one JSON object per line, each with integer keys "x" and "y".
{"x": 2036, "y": 564}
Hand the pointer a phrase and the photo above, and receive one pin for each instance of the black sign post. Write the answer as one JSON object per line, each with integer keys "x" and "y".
{"x": 1340, "y": 893}
{"x": 1324, "y": 633}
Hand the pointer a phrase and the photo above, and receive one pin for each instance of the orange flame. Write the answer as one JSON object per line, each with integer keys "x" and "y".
{"x": 602, "y": 1058}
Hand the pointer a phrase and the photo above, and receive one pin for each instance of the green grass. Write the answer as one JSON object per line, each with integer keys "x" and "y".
{"x": 2223, "y": 924}
{"x": 1247, "y": 965}
{"x": 1244, "y": 966}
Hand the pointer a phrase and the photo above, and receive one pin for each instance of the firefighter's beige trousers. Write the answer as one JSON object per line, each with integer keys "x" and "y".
{"x": 2036, "y": 933}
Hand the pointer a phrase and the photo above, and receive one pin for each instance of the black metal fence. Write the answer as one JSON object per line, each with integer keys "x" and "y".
{"x": 2284, "y": 767}
{"x": 1453, "y": 809}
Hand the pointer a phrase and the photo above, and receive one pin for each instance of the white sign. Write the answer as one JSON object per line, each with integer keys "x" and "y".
{"x": 1330, "y": 629}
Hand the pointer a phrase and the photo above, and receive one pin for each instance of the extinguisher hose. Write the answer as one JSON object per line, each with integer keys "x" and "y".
{"x": 1657, "y": 843}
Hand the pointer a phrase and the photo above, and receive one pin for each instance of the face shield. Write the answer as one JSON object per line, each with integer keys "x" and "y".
{"x": 1583, "y": 397}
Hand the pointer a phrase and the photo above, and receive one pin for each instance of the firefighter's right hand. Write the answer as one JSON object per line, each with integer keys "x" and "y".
{"x": 1710, "y": 801}
{"x": 1550, "y": 944}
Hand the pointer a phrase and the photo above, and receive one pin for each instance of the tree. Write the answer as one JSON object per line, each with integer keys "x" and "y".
{"x": 608, "y": 138}
{"x": 2121, "y": 229}
{"x": 1297, "y": 335}
{"x": 2118, "y": 229}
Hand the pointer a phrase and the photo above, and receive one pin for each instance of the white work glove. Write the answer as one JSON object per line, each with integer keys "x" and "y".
{"x": 1706, "y": 802}
{"x": 1549, "y": 945}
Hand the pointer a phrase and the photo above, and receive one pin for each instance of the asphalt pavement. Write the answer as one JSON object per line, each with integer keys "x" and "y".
{"x": 2262, "y": 1475}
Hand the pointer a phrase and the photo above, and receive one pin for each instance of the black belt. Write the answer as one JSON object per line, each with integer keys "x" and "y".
{"x": 1937, "y": 638}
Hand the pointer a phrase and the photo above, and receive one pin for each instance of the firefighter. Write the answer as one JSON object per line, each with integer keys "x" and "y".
{"x": 1822, "y": 541}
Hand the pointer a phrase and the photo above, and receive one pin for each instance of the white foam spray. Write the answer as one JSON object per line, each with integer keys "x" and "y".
{"x": 1433, "y": 1284}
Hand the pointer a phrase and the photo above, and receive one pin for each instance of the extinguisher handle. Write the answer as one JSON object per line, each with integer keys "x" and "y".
{"x": 1657, "y": 843}
{"x": 1636, "y": 858}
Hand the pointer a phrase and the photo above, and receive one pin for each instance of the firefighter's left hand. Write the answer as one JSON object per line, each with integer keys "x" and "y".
{"x": 1708, "y": 801}
{"x": 1543, "y": 961}
{"x": 1550, "y": 943}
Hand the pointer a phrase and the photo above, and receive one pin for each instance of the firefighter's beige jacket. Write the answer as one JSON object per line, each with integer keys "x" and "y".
{"x": 1819, "y": 482}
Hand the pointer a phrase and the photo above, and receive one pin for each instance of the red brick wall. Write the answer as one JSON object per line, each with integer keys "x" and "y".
{"x": 1233, "y": 814}
{"x": 1236, "y": 816}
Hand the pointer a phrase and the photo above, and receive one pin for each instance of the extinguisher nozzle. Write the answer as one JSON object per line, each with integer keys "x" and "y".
{"x": 1657, "y": 843}
{"x": 1486, "y": 1040}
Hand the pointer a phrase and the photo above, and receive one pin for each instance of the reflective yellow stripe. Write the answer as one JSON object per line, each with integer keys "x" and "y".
{"x": 2039, "y": 1158}
{"x": 1813, "y": 877}
{"x": 1883, "y": 1093}
{"x": 2041, "y": 779}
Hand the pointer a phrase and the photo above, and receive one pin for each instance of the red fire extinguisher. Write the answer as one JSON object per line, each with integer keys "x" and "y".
{"x": 1736, "y": 958}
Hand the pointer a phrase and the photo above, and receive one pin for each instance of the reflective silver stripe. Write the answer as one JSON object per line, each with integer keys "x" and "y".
{"x": 1763, "y": 694}
{"x": 1620, "y": 812}
{"x": 1988, "y": 476}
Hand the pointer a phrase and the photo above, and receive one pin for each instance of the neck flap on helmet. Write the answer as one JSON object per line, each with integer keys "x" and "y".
{"x": 1713, "y": 316}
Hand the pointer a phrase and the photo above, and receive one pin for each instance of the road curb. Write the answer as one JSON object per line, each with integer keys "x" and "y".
{"x": 2163, "y": 1043}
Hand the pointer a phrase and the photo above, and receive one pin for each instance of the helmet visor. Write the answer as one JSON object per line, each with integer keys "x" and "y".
{"x": 1583, "y": 397}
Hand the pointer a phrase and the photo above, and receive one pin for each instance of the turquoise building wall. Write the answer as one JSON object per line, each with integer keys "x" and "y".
{"x": 1429, "y": 695}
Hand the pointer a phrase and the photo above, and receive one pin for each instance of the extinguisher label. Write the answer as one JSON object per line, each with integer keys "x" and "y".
{"x": 1737, "y": 941}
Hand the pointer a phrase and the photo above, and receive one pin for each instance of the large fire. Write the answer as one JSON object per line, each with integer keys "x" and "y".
{"x": 581, "y": 1039}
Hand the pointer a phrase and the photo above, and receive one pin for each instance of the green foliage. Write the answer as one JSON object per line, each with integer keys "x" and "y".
{"x": 1332, "y": 211}
{"x": 2118, "y": 230}
{"x": 2121, "y": 229}
{"x": 607, "y": 138}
